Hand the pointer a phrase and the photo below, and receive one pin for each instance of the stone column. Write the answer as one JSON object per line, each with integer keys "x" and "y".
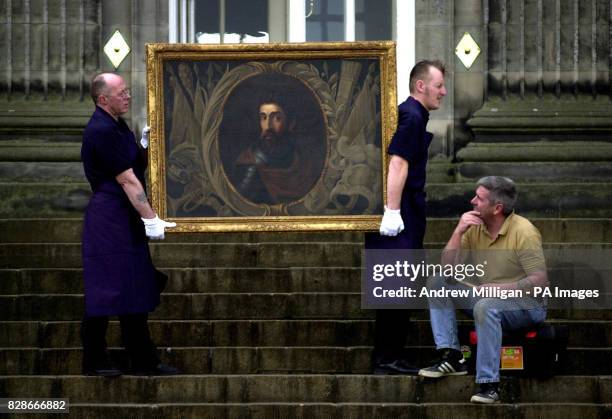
{"x": 140, "y": 22}
{"x": 547, "y": 70}
{"x": 51, "y": 47}
{"x": 434, "y": 40}
{"x": 469, "y": 83}
{"x": 54, "y": 47}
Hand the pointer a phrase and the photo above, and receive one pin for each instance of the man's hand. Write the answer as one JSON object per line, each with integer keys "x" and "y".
{"x": 144, "y": 140}
{"x": 392, "y": 223}
{"x": 468, "y": 219}
{"x": 451, "y": 253}
{"x": 155, "y": 227}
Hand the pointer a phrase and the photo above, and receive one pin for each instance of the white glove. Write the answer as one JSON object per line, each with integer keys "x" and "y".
{"x": 155, "y": 227}
{"x": 392, "y": 223}
{"x": 144, "y": 140}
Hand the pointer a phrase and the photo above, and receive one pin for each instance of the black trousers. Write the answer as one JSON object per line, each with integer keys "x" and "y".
{"x": 390, "y": 333}
{"x": 135, "y": 338}
{"x": 392, "y": 325}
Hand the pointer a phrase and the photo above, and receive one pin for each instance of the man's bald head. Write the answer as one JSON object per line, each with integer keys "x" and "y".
{"x": 99, "y": 85}
{"x": 109, "y": 92}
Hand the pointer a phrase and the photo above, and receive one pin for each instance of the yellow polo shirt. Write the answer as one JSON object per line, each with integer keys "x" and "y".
{"x": 515, "y": 253}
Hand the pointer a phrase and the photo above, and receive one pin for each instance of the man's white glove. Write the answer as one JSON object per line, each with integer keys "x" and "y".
{"x": 155, "y": 227}
{"x": 144, "y": 140}
{"x": 392, "y": 223}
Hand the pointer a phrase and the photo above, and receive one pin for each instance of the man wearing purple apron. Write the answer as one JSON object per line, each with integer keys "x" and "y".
{"x": 118, "y": 272}
{"x": 405, "y": 204}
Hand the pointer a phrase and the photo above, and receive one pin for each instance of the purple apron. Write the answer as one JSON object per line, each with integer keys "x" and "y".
{"x": 118, "y": 272}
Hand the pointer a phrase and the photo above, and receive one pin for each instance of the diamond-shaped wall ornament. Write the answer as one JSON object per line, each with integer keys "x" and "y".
{"x": 467, "y": 50}
{"x": 116, "y": 49}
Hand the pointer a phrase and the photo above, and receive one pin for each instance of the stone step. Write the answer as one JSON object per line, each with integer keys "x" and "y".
{"x": 23, "y": 200}
{"x": 244, "y": 255}
{"x": 546, "y": 199}
{"x": 40, "y": 150}
{"x": 199, "y": 306}
{"x": 300, "y": 388}
{"x": 538, "y": 200}
{"x": 181, "y": 333}
{"x": 196, "y": 280}
{"x": 374, "y": 410}
{"x": 440, "y": 170}
{"x": 236, "y": 280}
{"x": 257, "y": 333}
{"x": 536, "y": 171}
{"x": 257, "y": 360}
{"x": 50, "y": 120}
{"x": 32, "y": 172}
{"x": 537, "y": 151}
{"x": 251, "y": 306}
{"x": 69, "y": 230}
{"x": 274, "y": 255}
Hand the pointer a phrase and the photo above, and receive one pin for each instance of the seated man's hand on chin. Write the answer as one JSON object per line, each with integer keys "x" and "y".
{"x": 468, "y": 219}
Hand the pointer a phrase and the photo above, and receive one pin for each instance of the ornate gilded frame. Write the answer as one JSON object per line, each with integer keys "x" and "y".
{"x": 167, "y": 65}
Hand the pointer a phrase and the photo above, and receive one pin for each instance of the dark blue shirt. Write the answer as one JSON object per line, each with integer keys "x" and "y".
{"x": 109, "y": 148}
{"x": 411, "y": 141}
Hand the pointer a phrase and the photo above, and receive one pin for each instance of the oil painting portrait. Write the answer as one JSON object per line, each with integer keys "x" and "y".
{"x": 260, "y": 141}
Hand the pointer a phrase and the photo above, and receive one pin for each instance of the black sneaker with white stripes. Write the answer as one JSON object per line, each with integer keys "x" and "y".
{"x": 489, "y": 393}
{"x": 452, "y": 363}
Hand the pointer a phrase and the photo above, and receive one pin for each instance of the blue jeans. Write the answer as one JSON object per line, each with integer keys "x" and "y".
{"x": 491, "y": 316}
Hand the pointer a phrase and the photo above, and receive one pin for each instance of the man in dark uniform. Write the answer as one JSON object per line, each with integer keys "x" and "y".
{"x": 117, "y": 269}
{"x": 403, "y": 224}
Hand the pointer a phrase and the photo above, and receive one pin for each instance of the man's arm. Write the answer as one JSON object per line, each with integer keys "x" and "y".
{"x": 154, "y": 226}
{"x": 396, "y": 179}
{"x": 404, "y": 147}
{"x": 534, "y": 279}
{"x": 135, "y": 193}
{"x": 392, "y": 223}
{"x": 450, "y": 254}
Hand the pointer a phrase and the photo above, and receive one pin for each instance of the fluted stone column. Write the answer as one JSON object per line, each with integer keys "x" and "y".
{"x": 52, "y": 48}
{"x": 434, "y": 40}
{"x": 548, "y": 72}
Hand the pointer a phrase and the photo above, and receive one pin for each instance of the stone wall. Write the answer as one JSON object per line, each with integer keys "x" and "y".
{"x": 543, "y": 63}
{"x": 53, "y": 47}
{"x": 547, "y": 70}
{"x": 435, "y": 40}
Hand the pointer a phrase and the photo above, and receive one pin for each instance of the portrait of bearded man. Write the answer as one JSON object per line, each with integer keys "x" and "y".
{"x": 275, "y": 168}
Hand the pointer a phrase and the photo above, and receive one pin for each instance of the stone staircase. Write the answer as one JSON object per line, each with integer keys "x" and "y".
{"x": 270, "y": 325}
{"x": 263, "y": 328}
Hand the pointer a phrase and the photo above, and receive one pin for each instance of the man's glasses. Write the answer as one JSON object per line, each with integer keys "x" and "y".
{"x": 125, "y": 93}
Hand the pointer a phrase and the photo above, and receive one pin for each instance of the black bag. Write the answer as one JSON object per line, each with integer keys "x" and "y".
{"x": 544, "y": 349}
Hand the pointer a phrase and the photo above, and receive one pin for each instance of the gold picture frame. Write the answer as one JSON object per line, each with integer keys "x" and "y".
{"x": 270, "y": 137}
